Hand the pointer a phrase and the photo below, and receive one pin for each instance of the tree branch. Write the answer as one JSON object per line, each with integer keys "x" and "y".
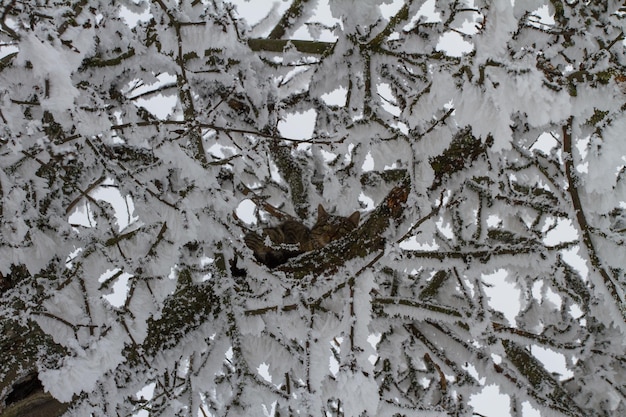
{"x": 583, "y": 226}
{"x": 288, "y": 20}
{"x": 278, "y": 45}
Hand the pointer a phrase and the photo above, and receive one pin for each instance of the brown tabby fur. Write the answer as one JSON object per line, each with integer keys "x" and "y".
{"x": 292, "y": 238}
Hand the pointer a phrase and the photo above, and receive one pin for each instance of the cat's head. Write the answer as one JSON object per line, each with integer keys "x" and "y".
{"x": 329, "y": 227}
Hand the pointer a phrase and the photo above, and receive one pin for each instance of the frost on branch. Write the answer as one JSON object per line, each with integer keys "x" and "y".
{"x": 489, "y": 181}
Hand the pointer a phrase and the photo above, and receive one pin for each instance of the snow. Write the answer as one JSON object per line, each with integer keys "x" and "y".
{"x": 357, "y": 393}
{"x": 607, "y": 157}
{"x": 136, "y": 15}
{"x": 436, "y": 302}
{"x": 50, "y": 66}
{"x": 366, "y": 202}
{"x": 81, "y": 373}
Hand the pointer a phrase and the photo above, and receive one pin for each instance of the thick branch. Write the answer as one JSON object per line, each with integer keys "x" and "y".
{"x": 37, "y": 404}
{"x": 288, "y": 20}
{"x": 583, "y": 226}
{"x": 401, "y": 16}
{"x": 278, "y": 45}
{"x": 540, "y": 379}
{"x": 291, "y": 171}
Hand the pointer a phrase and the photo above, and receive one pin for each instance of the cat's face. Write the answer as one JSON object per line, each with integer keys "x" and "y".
{"x": 329, "y": 228}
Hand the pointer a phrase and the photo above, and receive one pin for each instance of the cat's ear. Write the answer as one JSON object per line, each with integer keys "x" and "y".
{"x": 354, "y": 218}
{"x": 321, "y": 213}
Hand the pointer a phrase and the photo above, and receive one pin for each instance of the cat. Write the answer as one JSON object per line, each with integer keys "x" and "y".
{"x": 292, "y": 238}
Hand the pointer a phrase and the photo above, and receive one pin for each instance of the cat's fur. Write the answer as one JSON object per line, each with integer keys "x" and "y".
{"x": 292, "y": 238}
